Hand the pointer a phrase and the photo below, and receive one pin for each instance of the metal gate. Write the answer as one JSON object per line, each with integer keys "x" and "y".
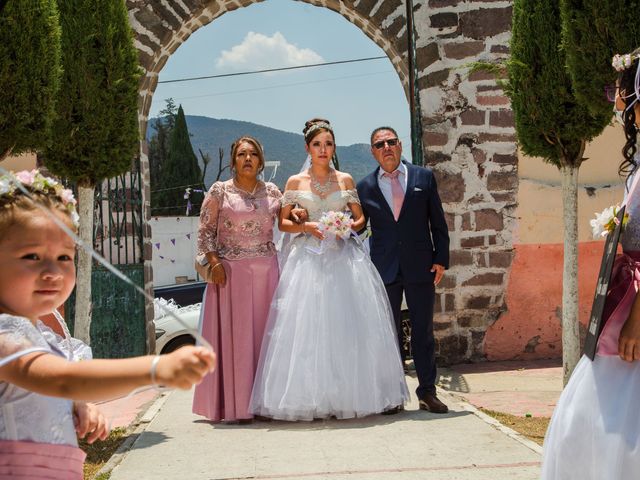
{"x": 118, "y": 311}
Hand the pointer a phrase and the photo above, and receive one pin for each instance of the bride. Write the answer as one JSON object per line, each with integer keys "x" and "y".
{"x": 330, "y": 347}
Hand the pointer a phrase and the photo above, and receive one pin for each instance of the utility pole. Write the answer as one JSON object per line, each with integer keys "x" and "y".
{"x": 414, "y": 92}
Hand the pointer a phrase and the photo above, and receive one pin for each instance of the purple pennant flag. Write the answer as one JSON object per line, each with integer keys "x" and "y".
{"x": 161, "y": 257}
{"x": 158, "y": 245}
{"x": 173, "y": 240}
{"x": 173, "y": 261}
{"x": 189, "y": 236}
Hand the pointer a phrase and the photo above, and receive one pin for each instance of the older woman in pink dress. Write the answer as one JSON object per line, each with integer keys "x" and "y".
{"x": 236, "y": 235}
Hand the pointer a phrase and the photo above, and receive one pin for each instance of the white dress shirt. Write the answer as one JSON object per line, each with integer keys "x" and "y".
{"x": 385, "y": 183}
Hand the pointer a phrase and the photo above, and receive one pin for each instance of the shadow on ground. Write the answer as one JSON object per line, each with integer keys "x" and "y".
{"x": 333, "y": 424}
{"x": 149, "y": 439}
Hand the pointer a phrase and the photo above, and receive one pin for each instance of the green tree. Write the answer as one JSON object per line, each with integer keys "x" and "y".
{"x": 594, "y": 31}
{"x": 169, "y": 113}
{"x": 552, "y": 124}
{"x": 181, "y": 170}
{"x": 95, "y": 135}
{"x": 29, "y": 73}
{"x": 159, "y": 150}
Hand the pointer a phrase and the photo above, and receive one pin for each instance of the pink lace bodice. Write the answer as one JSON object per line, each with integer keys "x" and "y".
{"x": 236, "y": 224}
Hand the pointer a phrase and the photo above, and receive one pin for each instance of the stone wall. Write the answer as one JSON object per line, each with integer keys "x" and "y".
{"x": 468, "y": 132}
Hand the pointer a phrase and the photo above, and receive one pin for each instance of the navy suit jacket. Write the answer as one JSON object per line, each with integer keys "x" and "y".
{"x": 418, "y": 239}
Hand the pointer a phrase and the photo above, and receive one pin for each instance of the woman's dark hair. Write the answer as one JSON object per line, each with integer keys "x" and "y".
{"x": 252, "y": 141}
{"x": 626, "y": 89}
{"x": 310, "y": 134}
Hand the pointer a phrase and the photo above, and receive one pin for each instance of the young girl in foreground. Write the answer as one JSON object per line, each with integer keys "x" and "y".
{"x": 37, "y": 382}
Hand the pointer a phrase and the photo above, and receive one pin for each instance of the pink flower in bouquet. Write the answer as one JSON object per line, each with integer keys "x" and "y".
{"x": 336, "y": 223}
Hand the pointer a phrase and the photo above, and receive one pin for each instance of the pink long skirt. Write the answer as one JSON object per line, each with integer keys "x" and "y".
{"x": 233, "y": 319}
{"x": 37, "y": 461}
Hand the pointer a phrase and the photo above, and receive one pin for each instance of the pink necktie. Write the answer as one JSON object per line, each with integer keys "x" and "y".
{"x": 396, "y": 192}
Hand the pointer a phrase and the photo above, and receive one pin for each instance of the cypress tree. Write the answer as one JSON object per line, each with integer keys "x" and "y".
{"x": 159, "y": 151}
{"x": 181, "y": 169}
{"x": 594, "y": 31}
{"x": 29, "y": 73}
{"x": 552, "y": 124}
{"x": 95, "y": 135}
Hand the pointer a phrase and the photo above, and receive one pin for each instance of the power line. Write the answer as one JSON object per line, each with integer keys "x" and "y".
{"x": 183, "y": 187}
{"x": 279, "y": 69}
{"x": 282, "y": 85}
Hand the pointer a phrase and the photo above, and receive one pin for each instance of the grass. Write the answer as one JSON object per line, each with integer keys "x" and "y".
{"x": 99, "y": 453}
{"x": 534, "y": 428}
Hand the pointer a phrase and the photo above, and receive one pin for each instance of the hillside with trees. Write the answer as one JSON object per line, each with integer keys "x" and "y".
{"x": 208, "y": 135}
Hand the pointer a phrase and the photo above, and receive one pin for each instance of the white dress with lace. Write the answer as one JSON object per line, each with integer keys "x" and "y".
{"x": 330, "y": 346}
{"x": 25, "y": 415}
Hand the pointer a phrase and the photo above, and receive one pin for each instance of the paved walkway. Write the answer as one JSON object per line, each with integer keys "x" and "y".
{"x": 414, "y": 444}
{"x": 516, "y": 387}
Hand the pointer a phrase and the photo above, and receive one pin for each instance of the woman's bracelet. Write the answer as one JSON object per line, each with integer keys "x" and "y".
{"x": 304, "y": 230}
{"x": 154, "y": 367}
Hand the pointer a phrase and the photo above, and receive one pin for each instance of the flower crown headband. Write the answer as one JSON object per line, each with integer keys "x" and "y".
{"x": 621, "y": 62}
{"x": 34, "y": 181}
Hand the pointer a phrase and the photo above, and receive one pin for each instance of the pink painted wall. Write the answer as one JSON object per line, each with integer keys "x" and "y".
{"x": 530, "y": 328}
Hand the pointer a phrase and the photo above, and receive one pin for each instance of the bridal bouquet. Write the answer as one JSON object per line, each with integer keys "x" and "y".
{"x": 606, "y": 221}
{"x": 336, "y": 223}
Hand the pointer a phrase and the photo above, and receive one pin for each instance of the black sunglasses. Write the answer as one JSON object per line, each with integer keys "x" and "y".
{"x": 392, "y": 142}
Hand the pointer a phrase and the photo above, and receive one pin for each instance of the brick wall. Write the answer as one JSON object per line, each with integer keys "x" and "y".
{"x": 469, "y": 136}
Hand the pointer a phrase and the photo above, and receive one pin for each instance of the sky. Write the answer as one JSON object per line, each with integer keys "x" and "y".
{"x": 356, "y": 97}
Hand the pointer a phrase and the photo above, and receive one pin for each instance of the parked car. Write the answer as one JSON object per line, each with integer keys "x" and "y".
{"x": 182, "y": 293}
{"x": 171, "y": 334}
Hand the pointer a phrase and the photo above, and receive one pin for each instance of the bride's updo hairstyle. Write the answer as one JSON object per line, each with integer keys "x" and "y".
{"x": 315, "y": 126}
{"x": 252, "y": 141}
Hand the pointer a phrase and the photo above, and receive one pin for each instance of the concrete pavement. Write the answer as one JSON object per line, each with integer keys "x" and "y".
{"x": 462, "y": 445}
{"x": 516, "y": 387}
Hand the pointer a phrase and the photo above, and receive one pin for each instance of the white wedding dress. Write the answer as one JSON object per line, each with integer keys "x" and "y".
{"x": 330, "y": 345}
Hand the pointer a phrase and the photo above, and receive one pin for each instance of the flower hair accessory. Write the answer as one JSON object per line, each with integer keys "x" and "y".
{"x": 621, "y": 62}
{"x": 34, "y": 181}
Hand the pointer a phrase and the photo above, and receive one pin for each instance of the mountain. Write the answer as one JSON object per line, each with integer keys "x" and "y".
{"x": 208, "y": 134}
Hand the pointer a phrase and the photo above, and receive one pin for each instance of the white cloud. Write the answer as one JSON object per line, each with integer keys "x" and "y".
{"x": 259, "y": 52}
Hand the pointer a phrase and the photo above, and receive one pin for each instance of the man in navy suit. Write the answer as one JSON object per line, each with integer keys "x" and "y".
{"x": 409, "y": 247}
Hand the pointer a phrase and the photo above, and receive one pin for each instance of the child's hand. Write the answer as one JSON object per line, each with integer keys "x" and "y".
{"x": 629, "y": 340}
{"x": 185, "y": 367}
{"x": 90, "y": 422}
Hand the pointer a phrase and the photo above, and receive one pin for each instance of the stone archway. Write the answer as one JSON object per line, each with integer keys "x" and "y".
{"x": 469, "y": 134}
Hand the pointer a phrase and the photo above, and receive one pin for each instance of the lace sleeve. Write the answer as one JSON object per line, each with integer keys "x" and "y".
{"x": 274, "y": 192}
{"x": 18, "y": 337}
{"x": 72, "y": 348}
{"x": 208, "y": 228}
{"x": 351, "y": 196}
{"x": 290, "y": 197}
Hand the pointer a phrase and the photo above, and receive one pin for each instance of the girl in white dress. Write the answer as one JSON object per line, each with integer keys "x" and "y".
{"x": 329, "y": 348}
{"x": 594, "y": 433}
{"x": 37, "y": 380}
